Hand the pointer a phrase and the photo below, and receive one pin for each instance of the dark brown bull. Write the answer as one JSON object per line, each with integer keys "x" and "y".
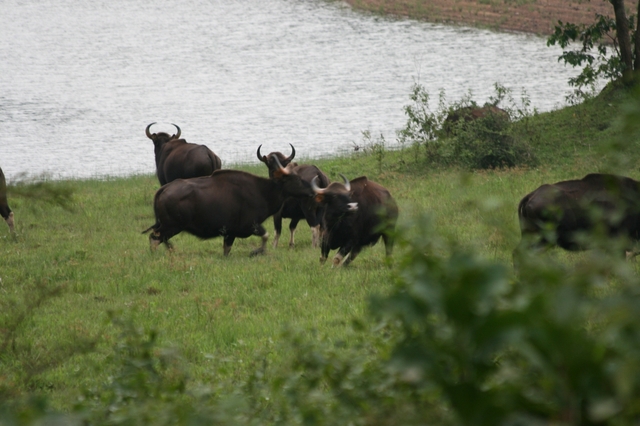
{"x": 357, "y": 214}
{"x": 276, "y": 159}
{"x": 5, "y": 210}
{"x": 178, "y": 159}
{"x": 297, "y": 209}
{"x": 569, "y": 213}
{"x": 229, "y": 203}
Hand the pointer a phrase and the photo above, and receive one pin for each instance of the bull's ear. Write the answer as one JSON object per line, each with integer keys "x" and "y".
{"x": 319, "y": 198}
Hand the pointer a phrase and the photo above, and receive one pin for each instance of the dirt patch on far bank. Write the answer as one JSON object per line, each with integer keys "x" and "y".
{"x": 531, "y": 16}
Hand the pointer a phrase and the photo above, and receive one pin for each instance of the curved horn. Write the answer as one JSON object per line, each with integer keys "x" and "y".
{"x": 179, "y": 131}
{"x": 347, "y": 185}
{"x": 293, "y": 154}
{"x": 280, "y": 168}
{"x": 315, "y": 187}
{"x": 147, "y": 130}
{"x": 260, "y": 157}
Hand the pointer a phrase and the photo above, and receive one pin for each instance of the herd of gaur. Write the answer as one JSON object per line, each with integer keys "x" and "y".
{"x": 201, "y": 198}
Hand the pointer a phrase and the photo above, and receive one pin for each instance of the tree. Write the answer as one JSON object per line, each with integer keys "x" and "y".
{"x": 624, "y": 40}
{"x": 617, "y": 56}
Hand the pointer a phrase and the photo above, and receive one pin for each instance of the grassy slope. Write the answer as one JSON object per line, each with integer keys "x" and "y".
{"x": 221, "y": 311}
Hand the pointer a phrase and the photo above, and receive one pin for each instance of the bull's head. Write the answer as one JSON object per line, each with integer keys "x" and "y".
{"x": 270, "y": 160}
{"x": 161, "y": 138}
{"x": 336, "y": 195}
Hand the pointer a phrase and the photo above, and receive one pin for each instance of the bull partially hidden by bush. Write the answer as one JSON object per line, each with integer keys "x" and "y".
{"x": 467, "y": 114}
{"x": 485, "y": 142}
{"x": 466, "y": 134}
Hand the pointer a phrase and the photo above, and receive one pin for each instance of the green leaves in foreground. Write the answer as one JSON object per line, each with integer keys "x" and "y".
{"x": 561, "y": 344}
{"x": 458, "y": 340}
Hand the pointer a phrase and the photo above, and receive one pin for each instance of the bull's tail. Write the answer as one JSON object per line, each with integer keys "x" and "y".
{"x": 156, "y": 225}
{"x": 526, "y": 223}
{"x": 152, "y": 227}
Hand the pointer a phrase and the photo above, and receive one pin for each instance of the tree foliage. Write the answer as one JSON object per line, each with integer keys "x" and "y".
{"x": 605, "y": 48}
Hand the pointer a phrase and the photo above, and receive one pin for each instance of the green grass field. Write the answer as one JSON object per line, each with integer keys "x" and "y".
{"x": 220, "y": 312}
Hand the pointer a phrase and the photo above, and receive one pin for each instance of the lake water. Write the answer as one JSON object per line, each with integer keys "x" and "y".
{"x": 81, "y": 79}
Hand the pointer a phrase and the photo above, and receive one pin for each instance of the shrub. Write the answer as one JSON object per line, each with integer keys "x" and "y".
{"x": 482, "y": 143}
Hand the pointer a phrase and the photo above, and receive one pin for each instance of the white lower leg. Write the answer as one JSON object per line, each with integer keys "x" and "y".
{"x": 315, "y": 236}
{"x": 10, "y": 223}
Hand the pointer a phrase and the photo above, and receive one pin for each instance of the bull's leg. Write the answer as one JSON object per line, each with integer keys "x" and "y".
{"x": 352, "y": 256}
{"x": 292, "y": 229}
{"x": 324, "y": 248}
{"x": 388, "y": 244}
{"x": 154, "y": 242}
{"x": 277, "y": 225}
{"x": 227, "y": 242}
{"x": 342, "y": 253}
{"x": 315, "y": 235}
{"x": 262, "y": 233}
{"x": 9, "y": 220}
{"x": 155, "y": 239}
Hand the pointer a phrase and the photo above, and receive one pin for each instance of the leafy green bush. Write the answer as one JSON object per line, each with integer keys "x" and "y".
{"x": 557, "y": 345}
{"x": 486, "y": 142}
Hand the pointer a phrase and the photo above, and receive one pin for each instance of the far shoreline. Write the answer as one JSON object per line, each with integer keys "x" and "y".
{"x": 537, "y": 17}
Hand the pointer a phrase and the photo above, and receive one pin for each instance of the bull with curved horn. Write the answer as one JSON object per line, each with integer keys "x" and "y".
{"x": 270, "y": 161}
{"x": 356, "y": 215}
{"x": 296, "y": 209}
{"x": 178, "y": 159}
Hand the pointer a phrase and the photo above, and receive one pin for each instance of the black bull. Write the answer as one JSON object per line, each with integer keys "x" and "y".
{"x": 178, "y": 159}
{"x": 5, "y": 210}
{"x": 229, "y": 203}
{"x": 570, "y": 213}
{"x": 294, "y": 208}
{"x": 357, "y": 214}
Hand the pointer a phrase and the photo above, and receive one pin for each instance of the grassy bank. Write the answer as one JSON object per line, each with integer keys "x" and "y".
{"x": 219, "y": 313}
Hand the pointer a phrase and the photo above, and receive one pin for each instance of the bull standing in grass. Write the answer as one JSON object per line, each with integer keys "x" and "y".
{"x": 5, "y": 210}
{"x": 229, "y": 204}
{"x": 356, "y": 215}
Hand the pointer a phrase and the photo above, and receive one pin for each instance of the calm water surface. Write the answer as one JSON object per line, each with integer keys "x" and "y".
{"x": 80, "y": 80}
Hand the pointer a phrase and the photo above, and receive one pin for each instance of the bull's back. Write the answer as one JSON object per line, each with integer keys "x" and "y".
{"x": 377, "y": 210}
{"x": 186, "y": 160}
{"x": 227, "y": 201}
